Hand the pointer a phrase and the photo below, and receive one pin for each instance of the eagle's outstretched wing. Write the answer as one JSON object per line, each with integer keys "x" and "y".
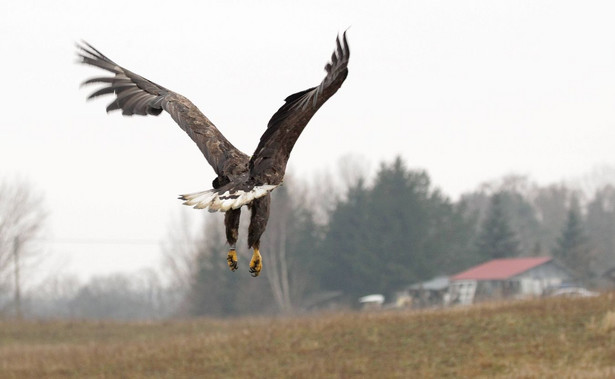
{"x": 135, "y": 95}
{"x": 268, "y": 163}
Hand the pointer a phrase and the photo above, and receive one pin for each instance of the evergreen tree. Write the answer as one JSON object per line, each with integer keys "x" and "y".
{"x": 534, "y": 213}
{"x": 573, "y": 245}
{"x": 496, "y": 238}
{"x": 393, "y": 234}
{"x": 454, "y": 241}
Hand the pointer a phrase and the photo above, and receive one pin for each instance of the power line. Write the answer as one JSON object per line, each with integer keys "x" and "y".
{"x": 100, "y": 241}
{"x": 113, "y": 241}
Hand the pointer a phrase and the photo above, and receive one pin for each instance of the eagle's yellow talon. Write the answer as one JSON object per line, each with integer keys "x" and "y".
{"x": 231, "y": 258}
{"x": 256, "y": 264}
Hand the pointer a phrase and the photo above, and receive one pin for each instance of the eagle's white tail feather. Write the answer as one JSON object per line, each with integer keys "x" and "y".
{"x": 198, "y": 198}
{"x": 214, "y": 202}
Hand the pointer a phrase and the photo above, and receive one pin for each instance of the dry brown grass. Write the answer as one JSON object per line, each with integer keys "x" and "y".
{"x": 608, "y": 322}
{"x": 542, "y": 338}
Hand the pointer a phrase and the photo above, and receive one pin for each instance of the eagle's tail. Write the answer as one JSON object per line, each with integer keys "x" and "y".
{"x": 226, "y": 197}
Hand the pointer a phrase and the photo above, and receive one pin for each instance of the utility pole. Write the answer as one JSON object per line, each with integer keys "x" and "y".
{"x": 18, "y": 313}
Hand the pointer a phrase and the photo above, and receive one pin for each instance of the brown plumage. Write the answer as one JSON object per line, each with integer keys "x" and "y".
{"x": 240, "y": 180}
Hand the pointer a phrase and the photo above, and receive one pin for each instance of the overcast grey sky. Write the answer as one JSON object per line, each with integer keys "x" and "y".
{"x": 468, "y": 90}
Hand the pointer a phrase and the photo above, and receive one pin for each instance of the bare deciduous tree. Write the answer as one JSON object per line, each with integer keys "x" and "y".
{"x": 275, "y": 245}
{"x": 22, "y": 218}
{"x": 180, "y": 251}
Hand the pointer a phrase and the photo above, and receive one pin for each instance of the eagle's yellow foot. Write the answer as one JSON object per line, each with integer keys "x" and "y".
{"x": 231, "y": 258}
{"x": 256, "y": 264}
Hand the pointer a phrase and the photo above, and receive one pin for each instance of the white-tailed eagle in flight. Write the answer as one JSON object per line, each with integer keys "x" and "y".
{"x": 241, "y": 179}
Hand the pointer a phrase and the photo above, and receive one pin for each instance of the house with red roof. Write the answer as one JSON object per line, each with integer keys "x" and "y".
{"x": 507, "y": 278}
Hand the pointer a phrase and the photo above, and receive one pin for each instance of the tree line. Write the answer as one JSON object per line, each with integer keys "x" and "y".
{"x": 327, "y": 246}
{"x": 396, "y": 230}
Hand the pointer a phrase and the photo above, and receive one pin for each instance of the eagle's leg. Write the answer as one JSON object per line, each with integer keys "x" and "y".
{"x": 231, "y": 258}
{"x": 231, "y": 223}
{"x": 258, "y": 223}
{"x": 256, "y": 263}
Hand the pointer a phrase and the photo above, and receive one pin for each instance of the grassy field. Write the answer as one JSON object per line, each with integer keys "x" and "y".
{"x": 541, "y": 338}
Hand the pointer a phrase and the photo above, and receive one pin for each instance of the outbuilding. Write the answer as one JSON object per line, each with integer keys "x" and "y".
{"x": 507, "y": 278}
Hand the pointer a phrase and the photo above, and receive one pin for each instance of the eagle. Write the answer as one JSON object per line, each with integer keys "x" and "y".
{"x": 240, "y": 179}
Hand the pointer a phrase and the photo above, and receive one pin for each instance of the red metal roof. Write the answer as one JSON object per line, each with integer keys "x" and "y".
{"x": 499, "y": 269}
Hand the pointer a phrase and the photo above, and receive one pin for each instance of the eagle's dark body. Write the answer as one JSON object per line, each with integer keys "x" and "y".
{"x": 240, "y": 179}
